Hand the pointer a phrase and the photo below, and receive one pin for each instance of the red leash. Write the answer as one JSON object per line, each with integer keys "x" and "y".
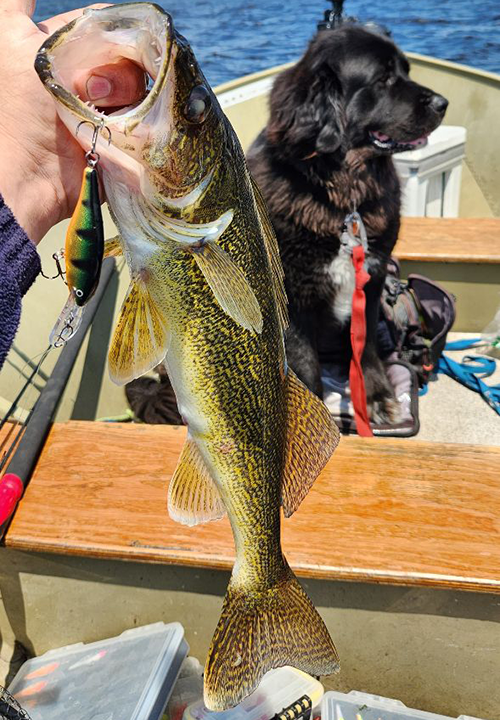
{"x": 357, "y": 241}
{"x": 358, "y": 340}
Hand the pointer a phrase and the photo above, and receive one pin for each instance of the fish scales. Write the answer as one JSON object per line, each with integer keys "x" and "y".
{"x": 207, "y": 299}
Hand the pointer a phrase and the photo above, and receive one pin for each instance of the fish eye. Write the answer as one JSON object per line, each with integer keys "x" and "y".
{"x": 198, "y": 105}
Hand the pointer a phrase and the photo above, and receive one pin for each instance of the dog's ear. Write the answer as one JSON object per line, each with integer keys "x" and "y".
{"x": 307, "y": 115}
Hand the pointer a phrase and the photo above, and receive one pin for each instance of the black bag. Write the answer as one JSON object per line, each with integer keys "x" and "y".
{"x": 419, "y": 313}
{"x": 415, "y": 319}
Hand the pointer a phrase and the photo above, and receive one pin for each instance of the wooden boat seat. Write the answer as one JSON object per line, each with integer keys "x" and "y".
{"x": 449, "y": 240}
{"x": 382, "y": 511}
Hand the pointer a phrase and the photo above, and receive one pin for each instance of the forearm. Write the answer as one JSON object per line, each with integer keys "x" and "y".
{"x": 19, "y": 266}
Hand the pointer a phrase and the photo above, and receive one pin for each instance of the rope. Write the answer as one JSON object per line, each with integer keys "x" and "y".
{"x": 472, "y": 371}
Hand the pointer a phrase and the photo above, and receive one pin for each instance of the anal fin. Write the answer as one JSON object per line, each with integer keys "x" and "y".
{"x": 312, "y": 436}
{"x": 192, "y": 494}
{"x": 140, "y": 340}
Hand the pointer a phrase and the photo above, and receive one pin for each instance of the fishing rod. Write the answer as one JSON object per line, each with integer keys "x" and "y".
{"x": 37, "y": 426}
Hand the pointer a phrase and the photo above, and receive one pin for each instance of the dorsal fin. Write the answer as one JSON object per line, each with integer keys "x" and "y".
{"x": 273, "y": 253}
{"x": 312, "y": 436}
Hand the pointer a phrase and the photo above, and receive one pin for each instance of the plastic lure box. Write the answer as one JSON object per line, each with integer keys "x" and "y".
{"x": 278, "y": 690}
{"x": 353, "y": 705}
{"x": 129, "y": 677}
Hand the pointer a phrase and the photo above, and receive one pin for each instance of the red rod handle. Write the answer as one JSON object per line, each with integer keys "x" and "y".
{"x": 11, "y": 489}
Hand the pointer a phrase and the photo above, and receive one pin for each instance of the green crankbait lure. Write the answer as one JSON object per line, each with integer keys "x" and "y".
{"x": 84, "y": 245}
{"x": 83, "y": 251}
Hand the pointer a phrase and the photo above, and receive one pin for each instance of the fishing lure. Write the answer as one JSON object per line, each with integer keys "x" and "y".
{"x": 83, "y": 250}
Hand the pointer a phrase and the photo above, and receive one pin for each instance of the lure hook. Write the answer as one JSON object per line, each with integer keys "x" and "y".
{"x": 91, "y": 155}
{"x": 57, "y": 257}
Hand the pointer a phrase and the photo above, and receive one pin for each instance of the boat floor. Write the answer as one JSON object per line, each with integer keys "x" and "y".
{"x": 452, "y": 413}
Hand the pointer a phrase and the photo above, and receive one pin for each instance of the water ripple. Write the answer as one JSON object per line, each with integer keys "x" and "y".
{"x": 236, "y": 37}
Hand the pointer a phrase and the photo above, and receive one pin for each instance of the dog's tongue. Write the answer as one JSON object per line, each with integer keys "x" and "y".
{"x": 382, "y": 137}
{"x": 418, "y": 142}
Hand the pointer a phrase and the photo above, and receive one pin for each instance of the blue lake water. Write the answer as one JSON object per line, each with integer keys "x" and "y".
{"x": 235, "y": 38}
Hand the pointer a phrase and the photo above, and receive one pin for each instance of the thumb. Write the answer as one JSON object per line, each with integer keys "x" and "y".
{"x": 114, "y": 85}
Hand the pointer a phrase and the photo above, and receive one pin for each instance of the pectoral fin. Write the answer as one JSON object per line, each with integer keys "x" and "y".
{"x": 312, "y": 436}
{"x": 192, "y": 495}
{"x": 227, "y": 282}
{"x": 112, "y": 247}
{"x": 140, "y": 340}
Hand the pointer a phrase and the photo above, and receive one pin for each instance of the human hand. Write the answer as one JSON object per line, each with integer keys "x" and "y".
{"x": 41, "y": 164}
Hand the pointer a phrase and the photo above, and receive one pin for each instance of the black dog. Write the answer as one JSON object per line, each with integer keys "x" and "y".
{"x": 336, "y": 118}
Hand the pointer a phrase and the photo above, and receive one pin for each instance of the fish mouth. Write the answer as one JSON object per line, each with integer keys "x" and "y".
{"x": 140, "y": 32}
{"x": 389, "y": 145}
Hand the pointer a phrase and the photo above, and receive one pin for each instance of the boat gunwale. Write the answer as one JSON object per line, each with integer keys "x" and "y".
{"x": 423, "y": 59}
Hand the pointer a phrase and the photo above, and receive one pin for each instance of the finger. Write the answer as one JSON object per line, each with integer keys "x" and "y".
{"x": 27, "y": 7}
{"x": 58, "y": 21}
{"x": 113, "y": 85}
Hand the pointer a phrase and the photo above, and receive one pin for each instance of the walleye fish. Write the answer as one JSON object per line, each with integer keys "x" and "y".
{"x": 207, "y": 298}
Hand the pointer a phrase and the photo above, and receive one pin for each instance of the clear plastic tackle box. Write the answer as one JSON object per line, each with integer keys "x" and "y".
{"x": 278, "y": 690}
{"x": 129, "y": 677}
{"x": 355, "y": 705}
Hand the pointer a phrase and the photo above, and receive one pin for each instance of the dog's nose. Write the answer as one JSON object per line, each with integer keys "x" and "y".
{"x": 438, "y": 103}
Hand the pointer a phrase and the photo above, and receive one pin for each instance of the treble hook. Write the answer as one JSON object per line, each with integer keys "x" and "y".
{"x": 91, "y": 155}
{"x": 57, "y": 257}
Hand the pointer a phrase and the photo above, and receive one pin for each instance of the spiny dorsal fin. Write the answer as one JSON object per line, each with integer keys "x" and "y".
{"x": 113, "y": 247}
{"x": 229, "y": 285}
{"x": 192, "y": 495}
{"x": 140, "y": 340}
{"x": 312, "y": 436}
{"x": 274, "y": 256}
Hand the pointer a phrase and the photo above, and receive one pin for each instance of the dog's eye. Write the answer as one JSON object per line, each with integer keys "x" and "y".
{"x": 198, "y": 105}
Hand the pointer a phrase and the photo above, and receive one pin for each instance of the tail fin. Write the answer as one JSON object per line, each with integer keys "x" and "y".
{"x": 261, "y": 631}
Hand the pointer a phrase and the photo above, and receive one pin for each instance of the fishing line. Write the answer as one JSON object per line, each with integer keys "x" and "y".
{"x": 30, "y": 380}
{"x": 29, "y": 384}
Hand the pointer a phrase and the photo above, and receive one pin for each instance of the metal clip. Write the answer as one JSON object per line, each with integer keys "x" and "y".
{"x": 91, "y": 156}
{"x": 353, "y": 233}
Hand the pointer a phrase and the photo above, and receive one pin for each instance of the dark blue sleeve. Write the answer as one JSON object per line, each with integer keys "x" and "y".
{"x": 19, "y": 266}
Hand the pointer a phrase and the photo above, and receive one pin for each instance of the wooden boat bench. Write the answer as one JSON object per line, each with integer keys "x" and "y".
{"x": 382, "y": 511}
{"x": 449, "y": 240}
{"x": 462, "y": 255}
